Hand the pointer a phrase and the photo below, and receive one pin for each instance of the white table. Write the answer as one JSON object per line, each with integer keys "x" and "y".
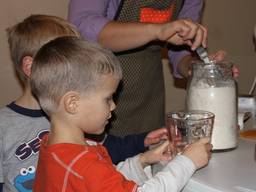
{"x": 233, "y": 171}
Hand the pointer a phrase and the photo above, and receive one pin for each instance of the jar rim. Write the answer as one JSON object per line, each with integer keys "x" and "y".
{"x": 198, "y": 63}
{"x": 190, "y": 115}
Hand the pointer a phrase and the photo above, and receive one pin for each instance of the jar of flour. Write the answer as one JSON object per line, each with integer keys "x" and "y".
{"x": 212, "y": 88}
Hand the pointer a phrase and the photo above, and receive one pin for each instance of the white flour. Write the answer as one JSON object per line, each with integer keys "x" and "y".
{"x": 222, "y": 102}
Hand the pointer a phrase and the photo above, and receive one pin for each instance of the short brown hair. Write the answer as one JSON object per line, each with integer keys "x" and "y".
{"x": 26, "y": 38}
{"x": 70, "y": 64}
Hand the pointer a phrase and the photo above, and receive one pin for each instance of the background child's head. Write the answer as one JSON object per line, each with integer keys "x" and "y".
{"x": 26, "y": 38}
{"x": 69, "y": 64}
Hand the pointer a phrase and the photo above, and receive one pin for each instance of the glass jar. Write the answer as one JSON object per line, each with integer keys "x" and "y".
{"x": 212, "y": 88}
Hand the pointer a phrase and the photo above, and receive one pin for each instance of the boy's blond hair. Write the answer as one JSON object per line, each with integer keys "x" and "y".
{"x": 70, "y": 64}
{"x": 26, "y": 37}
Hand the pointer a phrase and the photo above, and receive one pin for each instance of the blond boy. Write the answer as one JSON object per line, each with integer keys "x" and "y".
{"x": 23, "y": 123}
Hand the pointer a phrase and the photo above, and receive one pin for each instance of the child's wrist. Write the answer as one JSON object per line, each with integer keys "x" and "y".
{"x": 188, "y": 160}
{"x": 143, "y": 160}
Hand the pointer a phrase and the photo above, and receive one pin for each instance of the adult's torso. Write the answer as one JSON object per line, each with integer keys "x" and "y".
{"x": 140, "y": 96}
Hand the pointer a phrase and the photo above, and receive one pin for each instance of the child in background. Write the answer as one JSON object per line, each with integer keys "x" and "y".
{"x": 23, "y": 123}
{"x": 74, "y": 81}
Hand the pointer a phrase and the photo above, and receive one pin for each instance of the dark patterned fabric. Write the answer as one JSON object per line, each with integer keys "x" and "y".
{"x": 140, "y": 97}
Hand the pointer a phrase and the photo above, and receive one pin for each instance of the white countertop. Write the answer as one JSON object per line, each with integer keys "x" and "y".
{"x": 233, "y": 171}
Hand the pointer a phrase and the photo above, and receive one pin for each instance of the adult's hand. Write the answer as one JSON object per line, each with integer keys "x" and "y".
{"x": 183, "y": 31}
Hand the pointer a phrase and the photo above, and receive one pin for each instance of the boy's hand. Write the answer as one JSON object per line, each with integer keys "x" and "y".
{"x": 199, "y": 152}
{"x": 157, "y": 154}
{"x": 155, "y": 137}
{"x": 183, "y": 31}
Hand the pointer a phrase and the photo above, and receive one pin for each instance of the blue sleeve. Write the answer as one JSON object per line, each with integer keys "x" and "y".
{"x": 121, "y": 148}
{"x": 1, "y": 187}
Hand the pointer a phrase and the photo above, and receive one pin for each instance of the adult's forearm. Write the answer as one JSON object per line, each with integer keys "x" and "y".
{"x": 119, "y": 36}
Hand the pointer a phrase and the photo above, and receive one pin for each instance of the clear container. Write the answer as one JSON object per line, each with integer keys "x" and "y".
{"x": 212, "y": 88}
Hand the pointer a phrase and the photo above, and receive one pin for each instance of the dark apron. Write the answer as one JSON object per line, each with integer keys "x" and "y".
{"x": 140, "y": 96}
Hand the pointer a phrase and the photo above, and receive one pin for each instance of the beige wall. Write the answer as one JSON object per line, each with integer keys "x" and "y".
{"x": 229, "y": 28}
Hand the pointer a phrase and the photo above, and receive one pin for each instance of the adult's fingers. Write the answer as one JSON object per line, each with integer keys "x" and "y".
{"x": 200, "y": 37}
{"x": 197, "y": 34}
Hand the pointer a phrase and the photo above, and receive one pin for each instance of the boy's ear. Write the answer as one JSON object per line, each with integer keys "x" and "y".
{"x": 71, "y": 102}
{"x": 26, "y": 65}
